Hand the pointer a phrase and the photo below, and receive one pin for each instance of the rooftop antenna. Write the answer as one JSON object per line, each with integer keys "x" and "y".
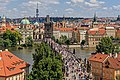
{"x": 37, "y": 13}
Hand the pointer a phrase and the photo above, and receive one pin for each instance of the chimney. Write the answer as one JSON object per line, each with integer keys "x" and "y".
{"x": 103, "y": 53}
{"x": 6, "y": 49}
{"x": 110, "y": 54}
{"x": 115, "y": 55}
{"x": 0, "y": 50}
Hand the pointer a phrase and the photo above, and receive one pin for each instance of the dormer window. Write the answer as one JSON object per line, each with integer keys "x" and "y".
{"x": 11, "y": 68}
{"x": 0, "y": 68}
{"x": 107, "y": 66}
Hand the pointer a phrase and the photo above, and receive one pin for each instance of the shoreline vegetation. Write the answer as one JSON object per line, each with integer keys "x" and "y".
{"x": 14, "y": 39}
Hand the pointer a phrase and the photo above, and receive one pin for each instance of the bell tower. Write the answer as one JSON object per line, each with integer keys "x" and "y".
{"x": 3, "y": 21}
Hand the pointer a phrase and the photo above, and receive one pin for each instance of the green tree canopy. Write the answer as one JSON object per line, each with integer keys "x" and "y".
{"x": 29, "y": 41}
{"x": 47, "y": 65}
{"x": 12, "y": 37}
{"x": 83, "y": 42}
{"x": 105, "y": 45}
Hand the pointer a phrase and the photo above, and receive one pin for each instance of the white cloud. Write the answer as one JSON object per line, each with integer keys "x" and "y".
{"x": 69, "y": 9}
{"x": 94, "y": 3}
{"x": 5, "y": 1}
{"x": 28, "y": 8}
{"x": 91, "y": 4}
{"x": 116, "y": 7}
{"x": 76, "y": 1}
{"x": 105, "y": 8}
{"x": 68, "y": 2}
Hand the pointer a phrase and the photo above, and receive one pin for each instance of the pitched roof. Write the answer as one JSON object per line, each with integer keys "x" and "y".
{"x": 114, "y": 63}
{"x": 95, "y": 31}
{"x": 64, "y": 29}
{"x": 10, "y": 64}
{"x": 98, "y": 57}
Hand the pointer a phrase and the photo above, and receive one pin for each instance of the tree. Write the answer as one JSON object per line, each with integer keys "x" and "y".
{"x": 18, "y": 36}
{"x": 63, "y": 38}
{"x": 53, "y": 37}
{"x": 116, "y": 48}
{"x": 105, "y": 45}
{"x": 14, "y": 37}
{"x": 7, "y": 43}
{"x": 29, "y": 41}
{"x": 46, "y": 65}
{"x": 67, "y": 42}
{"x": 83, "y": 42}
{"x": 58, "y": 41}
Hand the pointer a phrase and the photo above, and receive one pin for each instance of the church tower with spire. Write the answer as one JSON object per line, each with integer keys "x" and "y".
{"x": 95, "y": 18}
{"x": 64, "y": 22}
{"x": 94, "y": 22}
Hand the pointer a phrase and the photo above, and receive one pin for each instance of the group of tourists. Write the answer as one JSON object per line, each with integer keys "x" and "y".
{"x": 73, "y": 68}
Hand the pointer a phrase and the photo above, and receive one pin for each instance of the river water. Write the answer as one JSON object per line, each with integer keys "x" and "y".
{"x": 26, "y": 53}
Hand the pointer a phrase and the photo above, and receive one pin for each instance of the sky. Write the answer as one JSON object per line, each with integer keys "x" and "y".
{"x": 58, "y": 8}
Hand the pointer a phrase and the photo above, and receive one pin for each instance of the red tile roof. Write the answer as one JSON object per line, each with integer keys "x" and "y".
{"x": 101, "y": 31}
{"x": 8, "y": 26}
{"x": 10, "y": 64}
{"x": 96, "y": 31}
{"x": 114, "y": 63}
{"x": 98, "y": 57}
{"x": 64, "y": 29}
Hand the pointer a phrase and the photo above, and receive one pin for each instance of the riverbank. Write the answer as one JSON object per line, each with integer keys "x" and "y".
{"x": 72, "y": 46}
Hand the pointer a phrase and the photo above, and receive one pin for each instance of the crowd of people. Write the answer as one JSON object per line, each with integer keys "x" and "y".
{"x": 74, "y": 69}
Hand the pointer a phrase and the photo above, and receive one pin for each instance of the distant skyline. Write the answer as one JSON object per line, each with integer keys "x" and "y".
{"x": 58, "y": 8}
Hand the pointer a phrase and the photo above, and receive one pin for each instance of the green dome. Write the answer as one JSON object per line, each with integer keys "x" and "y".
{"x": 25, "y": 21}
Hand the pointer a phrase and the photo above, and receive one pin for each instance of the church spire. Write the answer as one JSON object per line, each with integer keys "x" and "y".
{"x": 118, "y": 18}
{"x": 95, "y": 18}
{"x": 63, "y": 17}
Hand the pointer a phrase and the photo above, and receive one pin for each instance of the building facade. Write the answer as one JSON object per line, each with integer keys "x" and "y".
{"x": 118, "y": 33}
{"x": 12, "y": 67}
{"x": 110, "y": 31}
{"x": 26, "y": 29}
{"x": 93, "y": 36}
{"x": 105, "y": 66}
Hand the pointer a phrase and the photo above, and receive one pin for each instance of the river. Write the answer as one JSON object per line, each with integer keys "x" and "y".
{"x": 26, "y": 53}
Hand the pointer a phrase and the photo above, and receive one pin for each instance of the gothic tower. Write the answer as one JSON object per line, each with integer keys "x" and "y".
{"x": 48, "y": 28}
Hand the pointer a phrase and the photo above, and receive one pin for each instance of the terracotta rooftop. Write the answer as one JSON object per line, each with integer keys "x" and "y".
{"x": 114, "y": 63}
{"x": 98, "y": 57}
{"x": 96, "y": 31}
{"x": 10, "y": 64}
{"x": 64, "y": 29}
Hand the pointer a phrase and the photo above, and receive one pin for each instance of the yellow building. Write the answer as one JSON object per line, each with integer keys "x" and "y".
{"x": 94, "y": 35}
